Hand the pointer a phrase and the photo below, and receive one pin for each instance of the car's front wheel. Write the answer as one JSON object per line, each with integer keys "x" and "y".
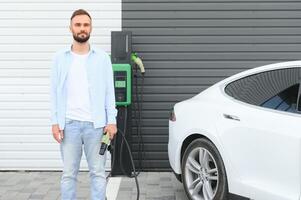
{"x": 203, "y": 172}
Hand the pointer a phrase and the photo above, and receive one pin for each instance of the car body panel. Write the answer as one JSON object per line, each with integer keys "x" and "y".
{"x": 254, "y": 149}
{"x": 261, "y": 152}
{"x": 183, "y": 128}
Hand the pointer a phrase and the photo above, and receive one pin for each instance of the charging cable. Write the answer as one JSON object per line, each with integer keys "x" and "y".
{"x": 105, "y": 142}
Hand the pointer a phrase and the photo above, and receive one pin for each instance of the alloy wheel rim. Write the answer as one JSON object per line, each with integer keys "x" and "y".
{"x": 201, "y": 174}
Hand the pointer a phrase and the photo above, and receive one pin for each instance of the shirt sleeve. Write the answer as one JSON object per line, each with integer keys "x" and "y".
{"x": 110, "y": 103}
{"x": 53, "y": 89}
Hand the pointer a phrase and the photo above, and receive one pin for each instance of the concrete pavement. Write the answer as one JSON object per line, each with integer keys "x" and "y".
{"x": 45, "y": 186}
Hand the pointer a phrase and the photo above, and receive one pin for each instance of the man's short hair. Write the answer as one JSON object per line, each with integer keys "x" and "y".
{"x": 80, "y": 12}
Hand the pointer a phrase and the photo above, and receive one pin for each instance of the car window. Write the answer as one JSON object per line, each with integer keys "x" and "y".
{"x": 285, "y": 100}
{"x": 258, "y": 88}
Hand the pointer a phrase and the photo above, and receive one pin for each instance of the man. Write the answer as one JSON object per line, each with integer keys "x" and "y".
{"x": 82, "y": 107}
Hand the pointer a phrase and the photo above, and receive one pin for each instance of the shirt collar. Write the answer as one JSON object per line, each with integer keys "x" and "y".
{"x": 68, "y": 49}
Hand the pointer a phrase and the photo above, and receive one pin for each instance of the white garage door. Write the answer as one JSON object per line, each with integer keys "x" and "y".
{"x": 31, "y": 31}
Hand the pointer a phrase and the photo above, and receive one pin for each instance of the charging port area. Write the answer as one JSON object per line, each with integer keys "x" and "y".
{"x": 122, "y": 83}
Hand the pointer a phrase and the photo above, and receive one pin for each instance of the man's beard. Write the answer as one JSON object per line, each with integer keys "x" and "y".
{"x": 81, "y": 39}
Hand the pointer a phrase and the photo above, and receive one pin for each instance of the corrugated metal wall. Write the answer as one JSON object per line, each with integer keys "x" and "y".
{"x": 189, "y": 45}
{"x": 31, "y": 31}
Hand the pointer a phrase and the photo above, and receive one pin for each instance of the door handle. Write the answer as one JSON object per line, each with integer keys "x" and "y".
{"x": 232, "y": 117}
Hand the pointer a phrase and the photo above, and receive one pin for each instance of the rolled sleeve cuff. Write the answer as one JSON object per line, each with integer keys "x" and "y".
{"x": 54, "y": 120}
{"x": 111, "y": 119}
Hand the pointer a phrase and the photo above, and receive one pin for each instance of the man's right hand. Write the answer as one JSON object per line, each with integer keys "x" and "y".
{"x": 57, "y": 133}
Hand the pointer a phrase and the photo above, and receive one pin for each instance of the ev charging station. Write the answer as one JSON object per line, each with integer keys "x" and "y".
{"x": 123, "y": 60}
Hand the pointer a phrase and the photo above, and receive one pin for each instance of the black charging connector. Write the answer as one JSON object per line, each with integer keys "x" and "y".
{"x": 105, "y": 142}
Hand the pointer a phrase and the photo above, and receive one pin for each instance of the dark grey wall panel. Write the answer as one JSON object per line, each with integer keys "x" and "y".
{"x": 212, "y": 6}
{"x": 220, "y": 31}
{"x": 218, "y": 47}
{"x": 204, "y": 14}
{"x": 189, "y": 45}
{"x": 227, "y": 56}
{"x": 143, "y": 23}
{"x": 155, "y": 64}
{"x": 204, "y": 1}
{"x": 209, "y": 39}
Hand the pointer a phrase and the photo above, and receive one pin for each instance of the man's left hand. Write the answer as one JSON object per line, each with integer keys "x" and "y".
{"x": 110, "y": 129}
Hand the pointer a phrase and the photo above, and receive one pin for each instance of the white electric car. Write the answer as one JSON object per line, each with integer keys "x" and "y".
{"x": 241, "y": 137}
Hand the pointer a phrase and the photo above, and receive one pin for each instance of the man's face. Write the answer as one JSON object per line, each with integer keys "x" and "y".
{"x": 81, "y": 28}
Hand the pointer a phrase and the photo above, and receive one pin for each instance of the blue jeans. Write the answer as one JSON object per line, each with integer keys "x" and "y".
{"x": 78, "y": 134}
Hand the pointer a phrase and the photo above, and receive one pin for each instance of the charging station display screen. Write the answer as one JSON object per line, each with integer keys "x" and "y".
{"x": 122, "y": 83}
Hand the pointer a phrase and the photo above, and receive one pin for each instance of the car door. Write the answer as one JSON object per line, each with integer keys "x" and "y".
{"x": 262, "y": 136}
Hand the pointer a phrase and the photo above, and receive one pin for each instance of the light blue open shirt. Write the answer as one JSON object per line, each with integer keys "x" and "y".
{"x": 101, "y": 87}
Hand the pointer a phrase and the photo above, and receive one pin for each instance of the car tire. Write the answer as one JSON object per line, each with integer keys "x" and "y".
{"x": 205, "y": 179}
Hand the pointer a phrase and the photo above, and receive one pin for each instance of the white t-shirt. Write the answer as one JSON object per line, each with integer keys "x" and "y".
{"x": 78, "y": 96}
